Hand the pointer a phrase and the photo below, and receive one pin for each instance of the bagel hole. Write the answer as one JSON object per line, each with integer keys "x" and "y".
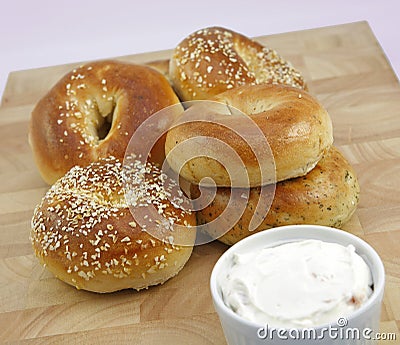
{"x": 104, "y": 126}
{"x": 105, "y": 117}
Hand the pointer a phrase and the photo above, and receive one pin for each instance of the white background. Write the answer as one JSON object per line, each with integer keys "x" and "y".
{"x": 38, "y": 33}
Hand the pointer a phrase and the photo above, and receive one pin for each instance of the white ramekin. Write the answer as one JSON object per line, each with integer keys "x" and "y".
{"x": 362, "y": 324}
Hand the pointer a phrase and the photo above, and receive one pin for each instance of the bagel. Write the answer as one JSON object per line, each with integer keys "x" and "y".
{"x": 296, "y": 126}
{"x": 84, "y": 232}
{"x": 327, "y": 195}
{"x": 92, "y": 112}
{"x": 215, "y": 59}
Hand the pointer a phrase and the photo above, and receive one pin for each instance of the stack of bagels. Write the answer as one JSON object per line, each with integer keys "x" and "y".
{"x": 94, "y": 234}
{"x": 315, "y": 183}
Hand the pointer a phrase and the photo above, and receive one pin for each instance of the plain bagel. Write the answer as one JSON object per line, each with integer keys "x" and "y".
{"x": 327, "y": 195}
{"x": 83, "y": 230}
{"x": 92, "y": 112}
{"x": 215, "y": 59}
{"x": 296, "y": 126}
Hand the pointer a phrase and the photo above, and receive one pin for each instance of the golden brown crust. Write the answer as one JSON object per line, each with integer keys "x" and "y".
{"x": 84, "y": 232}
{"x": 92, "y": 112}
{"x": 327, "y": 195}
{"x": 215, "y": 59}
{"x": 297, "y": 127}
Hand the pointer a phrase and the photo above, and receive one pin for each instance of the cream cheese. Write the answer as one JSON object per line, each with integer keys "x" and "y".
{"x": 297, "y": 284}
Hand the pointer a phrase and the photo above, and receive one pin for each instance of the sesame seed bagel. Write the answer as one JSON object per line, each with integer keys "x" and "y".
{"x": 215, "y": 59}
{"x": 327, "y": 195}
{"x": 92, "y": 112}
{"x": 295, "y": 125}
{"x": 84, "y": 232}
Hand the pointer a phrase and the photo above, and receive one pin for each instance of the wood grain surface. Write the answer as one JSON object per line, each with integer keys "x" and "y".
{"x": 346, "y": 70}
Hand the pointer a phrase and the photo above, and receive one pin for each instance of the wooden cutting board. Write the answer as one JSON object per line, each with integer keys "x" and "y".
{"x": 347, "y": 71}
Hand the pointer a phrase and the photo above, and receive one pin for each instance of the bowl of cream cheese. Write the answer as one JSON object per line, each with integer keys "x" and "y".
{"x": 299, "y": 284}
